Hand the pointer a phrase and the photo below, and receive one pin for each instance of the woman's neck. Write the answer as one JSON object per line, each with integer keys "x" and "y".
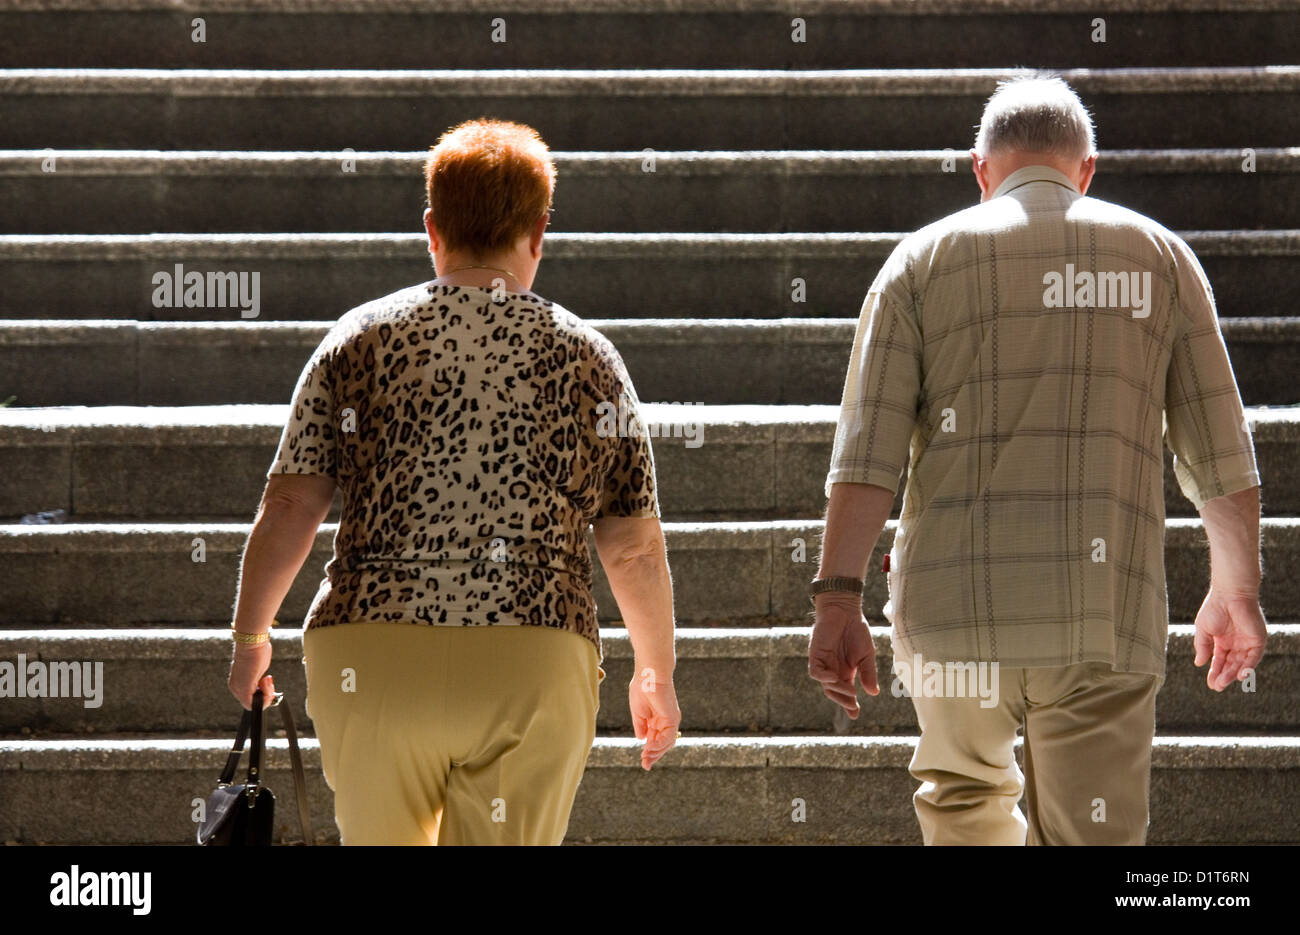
{"x": 489, "y": 273}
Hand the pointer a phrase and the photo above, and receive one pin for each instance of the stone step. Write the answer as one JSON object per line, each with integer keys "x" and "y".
{"x": 728, "y": 680}
{"x": 669, "y": 33}
{"x": 187, "y": 463}
{"x": 724, "y": 574}
{"x": 712, "y": 361}
{"x": 85, "y": 191}
{"x": 317, "y": 277}
{"x": 854, "y": 790}
{"x": 666, "y": 109}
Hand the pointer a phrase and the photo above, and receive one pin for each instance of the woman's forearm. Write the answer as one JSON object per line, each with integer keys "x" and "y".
{"x": 282, "y": 538}
{"x": 643, "y": 588}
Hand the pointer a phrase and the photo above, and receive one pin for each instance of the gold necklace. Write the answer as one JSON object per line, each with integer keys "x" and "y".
{"x": 495, "y": 269}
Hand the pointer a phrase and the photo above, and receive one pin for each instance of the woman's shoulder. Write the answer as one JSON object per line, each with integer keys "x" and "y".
{"x": 424, "y": 299}
{"x": 588, "y": 335}
{"x": 362, "y": 318}
{"x": 405, "y": 299}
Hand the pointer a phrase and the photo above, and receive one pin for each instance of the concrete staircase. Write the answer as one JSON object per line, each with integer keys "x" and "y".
{"x": 690, "y": 197}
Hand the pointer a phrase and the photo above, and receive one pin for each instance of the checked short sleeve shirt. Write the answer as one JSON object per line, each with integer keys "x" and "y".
{"x": 1024, "y": 362}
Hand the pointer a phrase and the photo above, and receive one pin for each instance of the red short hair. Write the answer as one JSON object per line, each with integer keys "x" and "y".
{"x": 488, "y": 182}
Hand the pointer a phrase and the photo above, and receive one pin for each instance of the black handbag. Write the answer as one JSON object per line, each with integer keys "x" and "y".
{"x": 243, "y": 815}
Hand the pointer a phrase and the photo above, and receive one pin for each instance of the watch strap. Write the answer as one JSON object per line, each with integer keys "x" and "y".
{"x": 836, "y": 583}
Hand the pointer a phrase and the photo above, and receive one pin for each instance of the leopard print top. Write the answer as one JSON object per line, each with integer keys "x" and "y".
{"x": 463, "y": 428}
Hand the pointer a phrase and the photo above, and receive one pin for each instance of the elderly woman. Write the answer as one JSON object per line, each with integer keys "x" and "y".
{"x": 452, "y": 652}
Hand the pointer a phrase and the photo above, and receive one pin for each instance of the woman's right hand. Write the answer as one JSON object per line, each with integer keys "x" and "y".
{"x": 655, "y": 716}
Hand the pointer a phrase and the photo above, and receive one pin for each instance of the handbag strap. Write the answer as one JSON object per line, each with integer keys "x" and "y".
{"x": 251, "y": 722}
{"x": 299, "y": 779}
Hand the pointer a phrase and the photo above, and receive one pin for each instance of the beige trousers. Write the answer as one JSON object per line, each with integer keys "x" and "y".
{"x": 1087, "y": 757}
{"x": 452, "y": 735}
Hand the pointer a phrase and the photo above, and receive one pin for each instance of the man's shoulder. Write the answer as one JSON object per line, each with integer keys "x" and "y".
{"x": 932, "y": 244}
{"x": 952, "y": 231}
{"x": 963, "y": 229}
{"x": 1108, "y": 215}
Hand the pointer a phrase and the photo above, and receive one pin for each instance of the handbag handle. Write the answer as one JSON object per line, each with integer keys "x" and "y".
{"x": 251, "y": 721}
{"x": 232, "y": 761}
{"x": 256, "y": 740}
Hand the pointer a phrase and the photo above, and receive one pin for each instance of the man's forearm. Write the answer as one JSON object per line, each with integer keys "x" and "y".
{"x": 855, "y": 517}
{"x": 281, "y": 540}
{"x": 1232, "y": 526}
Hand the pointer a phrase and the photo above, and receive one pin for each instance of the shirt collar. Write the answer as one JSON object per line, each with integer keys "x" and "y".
{"x": 1033, "y": 174}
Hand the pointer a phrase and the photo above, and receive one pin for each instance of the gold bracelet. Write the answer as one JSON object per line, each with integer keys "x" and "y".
{"x": 252, "y": 639}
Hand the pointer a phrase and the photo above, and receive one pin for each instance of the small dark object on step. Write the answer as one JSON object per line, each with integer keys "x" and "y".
{"x": 45, "y": 518}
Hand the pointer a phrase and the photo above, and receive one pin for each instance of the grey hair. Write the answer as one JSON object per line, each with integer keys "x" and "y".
{"x": 1036, "y": 114}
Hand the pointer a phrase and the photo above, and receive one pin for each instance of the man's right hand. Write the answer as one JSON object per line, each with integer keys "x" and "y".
{"x": 1230, "y": 635}
{"x": 655, "y": 716}
{"x": 840, "y": 650}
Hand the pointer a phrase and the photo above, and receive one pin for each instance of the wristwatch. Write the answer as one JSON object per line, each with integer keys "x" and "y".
{"x": 820, "y": 585}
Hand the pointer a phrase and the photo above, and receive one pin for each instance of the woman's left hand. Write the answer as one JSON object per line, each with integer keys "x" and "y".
{"x": 248, "y": 672}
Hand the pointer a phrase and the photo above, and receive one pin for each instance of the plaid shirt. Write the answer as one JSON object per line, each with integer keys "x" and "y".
{"x": 1025, "y": 359}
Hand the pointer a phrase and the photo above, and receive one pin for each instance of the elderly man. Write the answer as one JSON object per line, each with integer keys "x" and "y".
{"x": 1024, "y": 359}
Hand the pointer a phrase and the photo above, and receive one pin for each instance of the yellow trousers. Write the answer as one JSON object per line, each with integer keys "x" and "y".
{"x": 451, "y": 735}
{"x": 1087, "y": 757}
